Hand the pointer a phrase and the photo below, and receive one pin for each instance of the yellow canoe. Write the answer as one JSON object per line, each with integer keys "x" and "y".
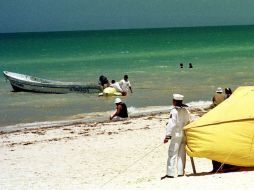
{"x": 226, "y": 133}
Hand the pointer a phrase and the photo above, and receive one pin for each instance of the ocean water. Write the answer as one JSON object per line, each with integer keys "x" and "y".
{"x": 221, "y": 57}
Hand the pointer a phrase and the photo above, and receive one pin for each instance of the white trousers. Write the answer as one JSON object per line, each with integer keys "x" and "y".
{"x": 176, "y": 157}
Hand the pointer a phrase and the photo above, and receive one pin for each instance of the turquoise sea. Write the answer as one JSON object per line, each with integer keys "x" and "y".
{"x": 221, "y": 56}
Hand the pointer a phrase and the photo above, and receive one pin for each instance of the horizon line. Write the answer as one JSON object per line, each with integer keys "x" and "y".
{"x": 125, "y": 29}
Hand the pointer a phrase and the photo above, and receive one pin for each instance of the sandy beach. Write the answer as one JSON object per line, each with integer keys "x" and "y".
{"x": 126, "y": 154}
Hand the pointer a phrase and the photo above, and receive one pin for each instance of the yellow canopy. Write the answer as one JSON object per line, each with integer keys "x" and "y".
{"x": 226, "y": 133}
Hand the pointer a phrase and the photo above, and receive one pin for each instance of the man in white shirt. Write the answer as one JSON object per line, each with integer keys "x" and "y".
{"x": 125, "y": 84}
{"x": 116, "y": 85}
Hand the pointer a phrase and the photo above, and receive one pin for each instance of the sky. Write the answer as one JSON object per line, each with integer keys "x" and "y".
{"x": 69, "y": 15}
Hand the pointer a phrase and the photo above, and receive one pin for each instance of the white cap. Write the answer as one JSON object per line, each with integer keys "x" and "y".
{"x": 219, "y": 90}
{"x": 178, "y": 97}
{"x": 117, "y": 100}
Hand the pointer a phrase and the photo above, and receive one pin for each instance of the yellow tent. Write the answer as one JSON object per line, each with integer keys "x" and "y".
{"x": 226, "y": 133}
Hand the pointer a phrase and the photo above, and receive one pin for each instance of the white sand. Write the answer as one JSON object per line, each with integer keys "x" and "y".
{"x": 110, "y": 155}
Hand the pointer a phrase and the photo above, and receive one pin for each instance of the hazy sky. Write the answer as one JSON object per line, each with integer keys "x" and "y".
{"x": 61, "y": 15}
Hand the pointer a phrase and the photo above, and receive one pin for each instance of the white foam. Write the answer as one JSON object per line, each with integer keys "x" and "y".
{"x": 162, "y": 66}
{"x": 149, "y": 109}
{"x": 195, "y": 104}
{"x": 200, "y": 104}
{"x": 101, "y": 116}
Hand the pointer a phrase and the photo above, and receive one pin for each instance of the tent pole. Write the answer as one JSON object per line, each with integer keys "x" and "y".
{"x": 193, "y": 165}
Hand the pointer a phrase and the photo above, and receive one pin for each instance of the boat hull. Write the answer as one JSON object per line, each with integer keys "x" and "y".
{"x": 33, "y": 84}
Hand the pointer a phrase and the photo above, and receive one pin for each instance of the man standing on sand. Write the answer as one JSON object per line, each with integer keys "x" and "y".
{"x": 125, "y": 84}
{"x": 121, "y": 110}
{"x": 178, "y": 118}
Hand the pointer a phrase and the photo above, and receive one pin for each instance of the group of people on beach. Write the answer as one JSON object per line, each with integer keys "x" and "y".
{"x": 219, "y": 96}
{"x": 178, "y": 118}
{"x": 123, "y": 86}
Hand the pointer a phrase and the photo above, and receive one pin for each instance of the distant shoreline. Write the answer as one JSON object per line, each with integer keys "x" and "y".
{"x": 123, "y": 29}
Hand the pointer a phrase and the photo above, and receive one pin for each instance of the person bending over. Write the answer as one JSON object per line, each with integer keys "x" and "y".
{"x": 116, "y": 85}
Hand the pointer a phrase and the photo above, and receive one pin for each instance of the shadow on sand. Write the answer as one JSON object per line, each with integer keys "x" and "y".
{"x": 235, "y": 169}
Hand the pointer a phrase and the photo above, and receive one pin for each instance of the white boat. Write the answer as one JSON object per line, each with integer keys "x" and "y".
{"x": 21, "y": 82}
